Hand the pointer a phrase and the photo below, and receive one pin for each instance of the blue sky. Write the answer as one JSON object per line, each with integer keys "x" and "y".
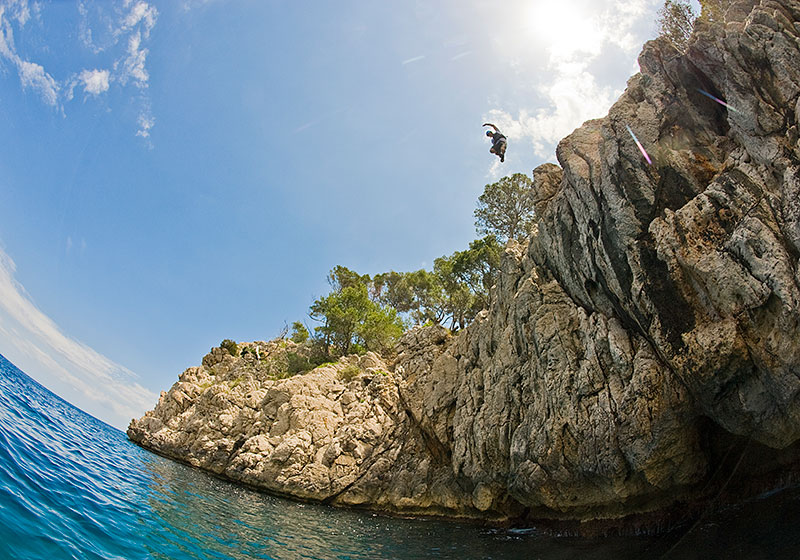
{"x": 176, "y": 173}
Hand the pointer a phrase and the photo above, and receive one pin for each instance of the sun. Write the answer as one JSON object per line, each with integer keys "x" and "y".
{"x": 563, "y": 27}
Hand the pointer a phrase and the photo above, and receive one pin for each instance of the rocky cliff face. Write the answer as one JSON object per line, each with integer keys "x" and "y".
{"x": 645, "y": 340}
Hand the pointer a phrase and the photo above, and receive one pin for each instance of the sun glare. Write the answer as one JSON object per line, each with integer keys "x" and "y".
{"x": 562, "y": 27}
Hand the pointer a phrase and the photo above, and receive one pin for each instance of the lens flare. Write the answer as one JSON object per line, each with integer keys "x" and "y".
{"x": 720, "y": 101}
{"x": 639, "y": 144}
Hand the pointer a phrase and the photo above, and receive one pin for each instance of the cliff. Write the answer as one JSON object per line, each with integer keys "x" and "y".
{"x": 642, "y": 350}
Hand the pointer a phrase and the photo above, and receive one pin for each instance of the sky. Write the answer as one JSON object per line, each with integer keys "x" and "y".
{"x": 176, "y": 173}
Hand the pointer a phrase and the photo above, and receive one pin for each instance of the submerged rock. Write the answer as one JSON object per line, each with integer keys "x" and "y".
{"x": 650, "y": 325}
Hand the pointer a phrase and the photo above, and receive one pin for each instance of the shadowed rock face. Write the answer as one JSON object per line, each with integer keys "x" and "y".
{"x": 654, "y": 305}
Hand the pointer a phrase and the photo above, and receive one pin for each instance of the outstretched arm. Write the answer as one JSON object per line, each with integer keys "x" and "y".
{"x": 493, "y": 126}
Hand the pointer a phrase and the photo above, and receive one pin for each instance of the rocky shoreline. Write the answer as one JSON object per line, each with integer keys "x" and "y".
{"x": 646, "y": 335}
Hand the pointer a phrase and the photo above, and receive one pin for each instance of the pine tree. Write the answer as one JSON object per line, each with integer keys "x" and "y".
{"x": 675, "y": 22}
{"x": 505, "y": 209}
{"x": 713, "y": 11}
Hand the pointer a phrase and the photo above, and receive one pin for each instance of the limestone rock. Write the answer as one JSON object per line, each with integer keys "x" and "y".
{"x": 325, "y": 435}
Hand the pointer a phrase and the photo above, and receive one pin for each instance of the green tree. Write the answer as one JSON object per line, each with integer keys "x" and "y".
{"x": 342, "y": 277}
{"x": 394, "y": 289}
{"x": 714, "y": 10}
{"x": 458, "y": 303}
{"x": 505, "y": 208}
{"x": 675, "y": 22}
{"x": 477, "y": 267}
{"x": 466, "y": 278}
{"x": 380, "y": 329}
{"x": 299, "y": 332}
{"x": 351, "y": 320}
{"x": 419, "y": 294}
{"x": 454, "y": 292}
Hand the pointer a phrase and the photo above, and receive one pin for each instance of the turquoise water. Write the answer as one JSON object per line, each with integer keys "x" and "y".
{"x": 73, "y": 487}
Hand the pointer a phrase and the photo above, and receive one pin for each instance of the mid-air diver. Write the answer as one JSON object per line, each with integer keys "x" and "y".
{"x": 499, "y": 142}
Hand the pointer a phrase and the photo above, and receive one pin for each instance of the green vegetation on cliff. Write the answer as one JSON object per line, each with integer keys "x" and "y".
{"x": 505, "y": 209}
{"x": 363, "y": 313}
{"x": 352, "y": 321}
{"x": 676, "y": 19}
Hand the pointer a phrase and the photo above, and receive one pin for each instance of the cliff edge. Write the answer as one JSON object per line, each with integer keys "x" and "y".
{"x": 641, "y": 350}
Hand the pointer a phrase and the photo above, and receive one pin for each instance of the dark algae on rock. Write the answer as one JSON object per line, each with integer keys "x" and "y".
{"x": 640, "y": 357}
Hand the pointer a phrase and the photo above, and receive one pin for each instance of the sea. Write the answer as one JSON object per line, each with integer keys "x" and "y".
{"x": 74, "y": 487}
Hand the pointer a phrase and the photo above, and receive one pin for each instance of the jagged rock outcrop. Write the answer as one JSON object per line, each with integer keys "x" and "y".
{"x": 652, "y": 319}
{"x": 337, "y": 434}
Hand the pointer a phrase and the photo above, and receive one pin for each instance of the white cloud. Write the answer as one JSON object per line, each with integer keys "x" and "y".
{"x": 18, "y": 10}
{"x": 84, "y": 30}
{"x": 141, "y": 18}
{"x": 494, "y": 169}
{"x": 573, "y": 96}
{"x": 38, "y": 346}
{"x": 620, "y": 17}
{"x": 127, "y": 26}
{"x": 31, "y": 74}
{"x": 414, "y": 59}
{"x": 6, "y": 36}
{"x": 191, "y": 4}
{"x": 133, "y": 67}
{"x": 95, "y": 81}
{"x": 564, "y": 28}
{"x": 141, "y": 12}
{"x": 146, "y": 122}
{"x": 574, "y": 34}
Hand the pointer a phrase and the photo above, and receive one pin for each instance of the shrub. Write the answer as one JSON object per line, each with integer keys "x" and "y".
{"x": 349, "y": 373}
{"x": 230, "y": 346}
{"x": 299, "y": 332}
{"x": 297, "y": 363}
{"x": 235, "y": 383}
{"x": 276, "y": 365}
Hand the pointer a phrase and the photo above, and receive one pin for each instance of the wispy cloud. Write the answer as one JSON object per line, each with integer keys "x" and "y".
{"x": 146, "y": 122}
{"x": 118, "y": 33}
{"x": 305, "y": 126}
{"x": 31, "y": 74}
{"x": 132, "y": 67}
{"x": 88, "y": 379}
{"x": 410, "y": 60}
{"x": 140, "y": 13}
{"x": 191, "y": 4}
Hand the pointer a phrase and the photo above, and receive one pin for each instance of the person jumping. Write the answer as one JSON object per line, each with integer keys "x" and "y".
{"x": 499, "y": 142}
